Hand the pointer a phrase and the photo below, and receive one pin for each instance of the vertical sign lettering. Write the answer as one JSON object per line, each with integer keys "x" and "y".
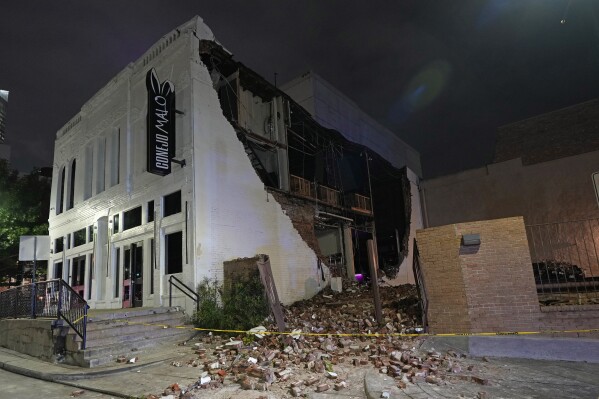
{"x": 161, "y": 124}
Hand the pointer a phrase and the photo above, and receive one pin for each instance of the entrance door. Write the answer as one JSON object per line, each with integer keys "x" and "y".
{"x": 133, "y": 276}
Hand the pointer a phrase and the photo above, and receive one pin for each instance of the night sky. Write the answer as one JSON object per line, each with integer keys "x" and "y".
{"x": 441, "y": 74}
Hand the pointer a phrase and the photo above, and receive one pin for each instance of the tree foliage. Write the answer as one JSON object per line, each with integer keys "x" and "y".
{"x": 24, "y": 207}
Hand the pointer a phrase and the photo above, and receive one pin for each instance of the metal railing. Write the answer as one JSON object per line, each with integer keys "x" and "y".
{"x": 421, "y": 288}
{"x": 52, "y": 298}
{"x": 186, "y": 290}
{"x": 565, "y": 261}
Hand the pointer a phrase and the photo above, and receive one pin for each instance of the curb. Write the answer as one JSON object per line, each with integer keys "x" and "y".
{"x": 534, "y": 348}
{"x": 66, "y": 378}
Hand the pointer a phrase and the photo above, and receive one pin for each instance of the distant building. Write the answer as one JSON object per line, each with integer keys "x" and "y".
{"x": 187, "y": 163}
{"x": 545, "y": 169}
{"x": 4, "y": 147}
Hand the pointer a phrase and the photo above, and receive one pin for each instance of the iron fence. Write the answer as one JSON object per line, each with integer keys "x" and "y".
{"x": 565, "y": 261}
{"x": 52, "y": 298}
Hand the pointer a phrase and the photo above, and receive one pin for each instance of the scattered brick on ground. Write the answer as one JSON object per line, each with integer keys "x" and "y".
{"x": 318, "y": 357}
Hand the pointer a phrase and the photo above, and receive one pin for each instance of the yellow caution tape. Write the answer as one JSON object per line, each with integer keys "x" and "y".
{"x": 501, "y": 333}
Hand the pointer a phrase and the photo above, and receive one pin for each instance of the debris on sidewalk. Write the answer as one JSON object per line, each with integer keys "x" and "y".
{"x": 313, "y": 358}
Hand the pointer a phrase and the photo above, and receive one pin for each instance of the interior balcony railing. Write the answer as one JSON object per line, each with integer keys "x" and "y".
{"x": 359, "y": 203}
{"x": 300, "y": 186}
{"x": 328, "y": 196}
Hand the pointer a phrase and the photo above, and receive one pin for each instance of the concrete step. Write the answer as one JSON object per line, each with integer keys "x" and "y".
{"x": 107, "y": 355}
{"x": 121, "y": 336}
{"x": 126, "y": 326}
{"x": 97, "y": 315}
{"x": 127, "y": 332}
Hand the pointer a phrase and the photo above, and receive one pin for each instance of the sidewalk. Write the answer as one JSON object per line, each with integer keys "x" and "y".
{"x": 479, "y": 378}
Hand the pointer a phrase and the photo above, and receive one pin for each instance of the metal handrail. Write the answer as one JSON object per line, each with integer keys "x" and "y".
{"x": 183, "y": 288}
{"x": 75, "y": 312}
{"x": 52, "y": 298}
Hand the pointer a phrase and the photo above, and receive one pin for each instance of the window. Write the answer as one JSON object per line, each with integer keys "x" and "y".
{"x": 60, "y": 192}
{"x": 71, "y": 199}
{"x": 79, "y": 237}
{"x": 69, "y": 241}
{"x": 90, "y": 234}
{"x": 117, "y": 272}
{"x": 172, "y": 204}
{"x": 115, "y": 157}
{"x": 58, "y": 245}
{"x": 132, "y": 218}
{"x": 174, "y": 250}
{"x": 58, "y": 270}
{"x": 150, "y": 211}
{"x": 115, "y": 223}
{"x": 101, "y": 165}
{"x": 152, "y": 266}
{"x": 89, "y": 172}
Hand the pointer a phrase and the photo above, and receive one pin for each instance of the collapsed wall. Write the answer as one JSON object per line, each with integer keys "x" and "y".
{"x": 235, "y": 217}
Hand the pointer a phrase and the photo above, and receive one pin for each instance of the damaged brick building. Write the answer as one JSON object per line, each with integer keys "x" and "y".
{"x": 223, "y": 166}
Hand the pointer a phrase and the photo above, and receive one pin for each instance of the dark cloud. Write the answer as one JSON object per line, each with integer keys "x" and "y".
{"x": 443, "y": 75}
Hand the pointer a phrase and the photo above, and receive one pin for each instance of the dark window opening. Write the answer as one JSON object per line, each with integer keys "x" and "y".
{"x": 151, "y": 211}
{"x": 132, "y": 218}
{"x": 172, "y": 204}
{"x": 117, "y": 272}
{"x": 78, "y": 276}
{"x": 90, "y": 232}
{"x": 69, "y": 241}
{"x": 152, "y": 265}
{"x": 72, "y": 186}
{"x": 60, "y": 193}
{"x": 115, "y": 224}
{"x": 127, "y": 266}
{"x": 174, "y": 253}
{"x": 58, "y": 245}
{"x": 58, "y": 270}
{"x": 79, "y": 237}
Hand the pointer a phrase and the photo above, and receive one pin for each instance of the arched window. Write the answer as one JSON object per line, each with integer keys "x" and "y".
{"x": 71, "y": 199}
{"x": 60, "y": 192}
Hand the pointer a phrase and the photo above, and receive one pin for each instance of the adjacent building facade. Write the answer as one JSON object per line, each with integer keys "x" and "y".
{"x": 187, "y": 160}
{"x": 545, "y": 169}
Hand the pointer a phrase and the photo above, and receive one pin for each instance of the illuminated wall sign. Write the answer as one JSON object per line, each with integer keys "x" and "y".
{"x": 161, "y": 124}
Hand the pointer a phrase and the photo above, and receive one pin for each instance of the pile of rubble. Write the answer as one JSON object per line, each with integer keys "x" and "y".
{"x": 332, "y": 333}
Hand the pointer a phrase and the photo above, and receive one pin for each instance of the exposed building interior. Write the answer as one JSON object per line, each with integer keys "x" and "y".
{"x": 355, "y": 194}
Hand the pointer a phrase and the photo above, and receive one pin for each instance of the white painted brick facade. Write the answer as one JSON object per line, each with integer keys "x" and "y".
{"x": 229, "y": 213}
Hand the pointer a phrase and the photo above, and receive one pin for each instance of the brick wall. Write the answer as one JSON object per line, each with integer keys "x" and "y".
{"x": 562, "y": 133}
{"x": 498, "y": 277}
{"x": 442, "y": 274}
{"x": 482, "y": 288}
{"x": 302, "y": 217}
{"x": 489, "y": 287}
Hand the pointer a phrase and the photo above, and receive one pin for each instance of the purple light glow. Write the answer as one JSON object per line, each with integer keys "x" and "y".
{"x": 359, "y": 277}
